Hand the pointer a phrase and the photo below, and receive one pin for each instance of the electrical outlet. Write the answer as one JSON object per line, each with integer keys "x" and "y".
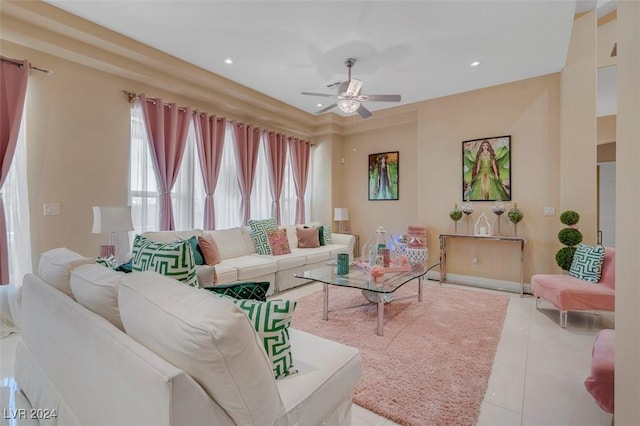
{"x": 474, "y": 262}
{"x": 52, "y": 209}
{"x": 549, "y": 211}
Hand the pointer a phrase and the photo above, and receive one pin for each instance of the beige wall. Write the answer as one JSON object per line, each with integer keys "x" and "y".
{"x": 528, "y": 111}
{"x": 627, "y": 350}
{"x": 578, "y": 130}
{"x": 606, "y": 131}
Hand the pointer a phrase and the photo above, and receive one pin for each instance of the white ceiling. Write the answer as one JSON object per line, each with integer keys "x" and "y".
{"x": 419, "y": 49}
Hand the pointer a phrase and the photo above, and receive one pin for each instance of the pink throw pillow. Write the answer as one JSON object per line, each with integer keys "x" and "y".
{"x": 278, "y": 241}
{"x": 209, "y": 250}
{"x": 308, "y": 237}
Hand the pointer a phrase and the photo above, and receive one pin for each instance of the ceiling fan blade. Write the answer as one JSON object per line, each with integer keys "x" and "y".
{"x": 364, "y": 113}
{"x": 354, "y": 87}
{"x": 327, "y": 108}
{"x": 326, "y": 95}
{"x": 383, "y": 98}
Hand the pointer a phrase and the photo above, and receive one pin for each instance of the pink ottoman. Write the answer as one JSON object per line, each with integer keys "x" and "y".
{"x": 600, "y": 382}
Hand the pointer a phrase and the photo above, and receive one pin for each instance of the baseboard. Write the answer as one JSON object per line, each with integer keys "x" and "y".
{"x": 511, "y": 286}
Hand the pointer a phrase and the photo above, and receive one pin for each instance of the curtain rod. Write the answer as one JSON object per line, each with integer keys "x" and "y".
{"x": 20, "y": 64}
{"x": 133, "y": 96}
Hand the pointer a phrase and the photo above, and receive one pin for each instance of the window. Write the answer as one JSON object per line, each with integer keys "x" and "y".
{"x": 188, "y": 193}
{"x": 143, "y": 190}
{"x": 15, "y": 197}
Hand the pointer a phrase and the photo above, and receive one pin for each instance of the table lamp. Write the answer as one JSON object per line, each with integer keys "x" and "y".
{"x": 341, "y": 215}
{"x": 111, "y": 220}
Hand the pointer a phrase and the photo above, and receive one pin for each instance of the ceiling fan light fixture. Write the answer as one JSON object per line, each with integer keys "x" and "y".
{"x": 348, "y": 105}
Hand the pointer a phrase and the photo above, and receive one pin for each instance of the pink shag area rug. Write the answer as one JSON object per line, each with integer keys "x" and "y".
{"x": 433, "y": 363}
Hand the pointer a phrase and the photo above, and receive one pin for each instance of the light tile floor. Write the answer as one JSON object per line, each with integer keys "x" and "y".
{"x": 537, "y": 377}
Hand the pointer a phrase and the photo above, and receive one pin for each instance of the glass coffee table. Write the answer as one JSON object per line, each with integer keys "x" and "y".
{"x": 383, "y": 287}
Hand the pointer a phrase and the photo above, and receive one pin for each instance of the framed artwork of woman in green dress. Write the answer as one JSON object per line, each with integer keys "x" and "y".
{"x": 486, "y": 169}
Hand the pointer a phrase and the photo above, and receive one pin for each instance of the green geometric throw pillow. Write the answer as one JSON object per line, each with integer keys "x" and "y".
{"x": 174, "y": 260}
{"x": 587, "y": 263}
{"x": 197, "y": 253}
{"x": 326, "y": 230}
{"x": 259, "y": 230}
{"x": 249, "y": 290}
{"x": 271, "y": 320}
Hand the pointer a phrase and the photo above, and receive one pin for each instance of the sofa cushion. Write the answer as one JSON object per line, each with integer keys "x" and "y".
{"x": 271, "y": 320}
{"x": 259, "y": 230}
{"x": 278, "y": 241}
{"x": 568, "y": 293}
{"x": 210, "y": 250}
{"x": 291, "y": 236}
{"x": 55, "y": 267}
{"x": 252, "y": 266}
{"x": 174, "y": 259}
{"x": 587, "y": 263}
{"x": 292, "y": 260}
{"x": 208, "y": 337}
{"x": 249, "y": 290}
{"x": 171, "y": 236}
{"x": 225, "y": 272}
{"x": 308, "y": 237}
{"x": 96, "y": 288}
{"x": 327, "y": 371}
{"x": 231, "y": 242}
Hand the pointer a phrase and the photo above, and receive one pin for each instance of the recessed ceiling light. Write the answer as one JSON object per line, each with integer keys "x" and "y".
{"x": 318, "y": 105}
{"x": 228, "y": 61}
{"x": 474, "y": 63}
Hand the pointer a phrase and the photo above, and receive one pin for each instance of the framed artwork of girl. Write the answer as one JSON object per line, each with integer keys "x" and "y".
{"x": 486, "y": 169}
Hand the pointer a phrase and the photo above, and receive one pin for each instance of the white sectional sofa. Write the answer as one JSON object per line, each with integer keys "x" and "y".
{"x": 76, "y": 360}
{"x": 240, "y": 261}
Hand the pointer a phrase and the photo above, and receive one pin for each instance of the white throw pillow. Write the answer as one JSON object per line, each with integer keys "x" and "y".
{"x": 96, "y": 288}
{"x": 55, "y": 267}
{"x": 206, "y": 336}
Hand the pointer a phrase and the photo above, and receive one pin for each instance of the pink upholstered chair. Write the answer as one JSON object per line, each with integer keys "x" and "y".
{"x": 600, "y": 382}
{"x": 568, "y": 293}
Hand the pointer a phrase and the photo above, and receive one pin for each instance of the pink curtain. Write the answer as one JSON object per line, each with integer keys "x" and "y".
{"x": 167, "y": 127}
{"x": 276, "y": 153}
{"x": 210, "y": 132}
{"x": 299, "y": 151}
{"x": 13, "y": 89}
{"x": 247, "y": 140}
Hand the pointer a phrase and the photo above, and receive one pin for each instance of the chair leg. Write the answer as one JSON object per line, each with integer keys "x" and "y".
{"x": 563, "y": 319}
{"x": 597, "y": 319}
{"x": 538, "y": 303}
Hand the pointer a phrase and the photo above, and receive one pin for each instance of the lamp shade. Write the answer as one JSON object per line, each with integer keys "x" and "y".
{"x": 111, "y": 219}
{"x": 340, "y": 214}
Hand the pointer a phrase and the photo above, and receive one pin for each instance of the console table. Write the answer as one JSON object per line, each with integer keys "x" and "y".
{"x": 443, "y": 252}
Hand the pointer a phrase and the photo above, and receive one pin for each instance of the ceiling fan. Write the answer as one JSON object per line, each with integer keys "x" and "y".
{"x": 349, "y": 99}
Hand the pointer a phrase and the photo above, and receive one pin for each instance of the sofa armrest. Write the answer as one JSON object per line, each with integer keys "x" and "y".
{"x": 344, "y": 239}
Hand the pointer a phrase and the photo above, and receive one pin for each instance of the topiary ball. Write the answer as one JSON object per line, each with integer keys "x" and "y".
{"x": 564, "y": 257}
{"x": 570, "y": 236}
{"x": 455, "y": 215}
{"x": 569, "y": 217}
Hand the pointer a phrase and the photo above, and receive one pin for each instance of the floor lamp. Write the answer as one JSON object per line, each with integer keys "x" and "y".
{"x": 341, "y": 215}
{"x": 111, "y": 220}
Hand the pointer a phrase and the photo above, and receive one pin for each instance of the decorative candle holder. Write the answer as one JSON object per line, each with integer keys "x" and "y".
{"x": 515, "y": 215}
{"x": 482, "y": 227}
{"x": 455, "y": 215}
{"x": 498, "y": 209}
{"x": 467, "y": 209}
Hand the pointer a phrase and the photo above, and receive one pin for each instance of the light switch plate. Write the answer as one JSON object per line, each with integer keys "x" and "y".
{"x": 52, "y": 209}
{"x": 549, "y": 211}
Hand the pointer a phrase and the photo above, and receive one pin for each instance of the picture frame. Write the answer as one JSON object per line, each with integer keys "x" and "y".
{"x": 486, "y": 169}
{"x": 383, "y": 176}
